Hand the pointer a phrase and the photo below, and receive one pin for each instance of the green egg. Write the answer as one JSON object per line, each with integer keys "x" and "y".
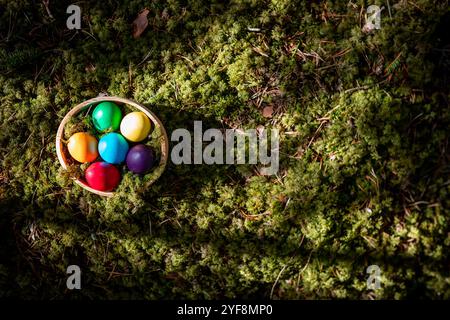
{"x": 106, "y": 116}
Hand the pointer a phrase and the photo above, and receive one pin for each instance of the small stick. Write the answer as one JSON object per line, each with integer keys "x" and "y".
{"x": 46, "y": 3}
{"x": 276, "y": 281}
{"x": 389, "y": 9}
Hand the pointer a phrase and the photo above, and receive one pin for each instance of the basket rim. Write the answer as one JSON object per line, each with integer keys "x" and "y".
{"x": 80, "y": 107}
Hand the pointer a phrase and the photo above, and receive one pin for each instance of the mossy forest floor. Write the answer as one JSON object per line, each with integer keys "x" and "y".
{"x": 364, "y": 173}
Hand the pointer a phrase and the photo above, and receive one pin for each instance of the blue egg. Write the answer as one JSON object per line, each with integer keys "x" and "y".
{"x": 113, "y": 148}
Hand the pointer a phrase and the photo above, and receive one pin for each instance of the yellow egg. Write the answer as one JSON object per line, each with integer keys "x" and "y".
{"x": 83, "y": 147}
{"x": 135, "y": 126}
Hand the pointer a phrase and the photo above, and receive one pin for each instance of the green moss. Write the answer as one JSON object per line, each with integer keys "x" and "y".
{"x": 364, "y": 162}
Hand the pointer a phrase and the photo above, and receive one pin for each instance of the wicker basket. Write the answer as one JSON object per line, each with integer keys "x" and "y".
{"x": 61, "y": 145}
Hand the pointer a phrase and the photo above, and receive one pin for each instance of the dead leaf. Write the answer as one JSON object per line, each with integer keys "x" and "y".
{"x": 140, "y": 23}
{"x": 267, "y": 112}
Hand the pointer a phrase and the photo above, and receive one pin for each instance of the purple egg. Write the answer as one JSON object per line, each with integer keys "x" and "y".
{"x": 140, "y": 158}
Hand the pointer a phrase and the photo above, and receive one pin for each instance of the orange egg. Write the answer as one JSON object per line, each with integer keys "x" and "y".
{"x": 83, "y": 147}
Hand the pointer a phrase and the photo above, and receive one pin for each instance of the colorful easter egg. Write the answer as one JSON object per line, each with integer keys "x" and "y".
{"x": 106, "y": 116}
{"x": 83, "y": 147}
{"x": 140, "y": 158}
{"x": 113, "y": 148}
{"x": 135, "y": 126}
{"x": 102, "y": 176}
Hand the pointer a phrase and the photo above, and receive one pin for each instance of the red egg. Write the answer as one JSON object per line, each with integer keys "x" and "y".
{"x": 102, "y": 176}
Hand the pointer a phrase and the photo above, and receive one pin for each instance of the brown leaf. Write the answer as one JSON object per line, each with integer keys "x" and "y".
{"x": 140, "y": 23}
{"x": 267, "y": 112}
